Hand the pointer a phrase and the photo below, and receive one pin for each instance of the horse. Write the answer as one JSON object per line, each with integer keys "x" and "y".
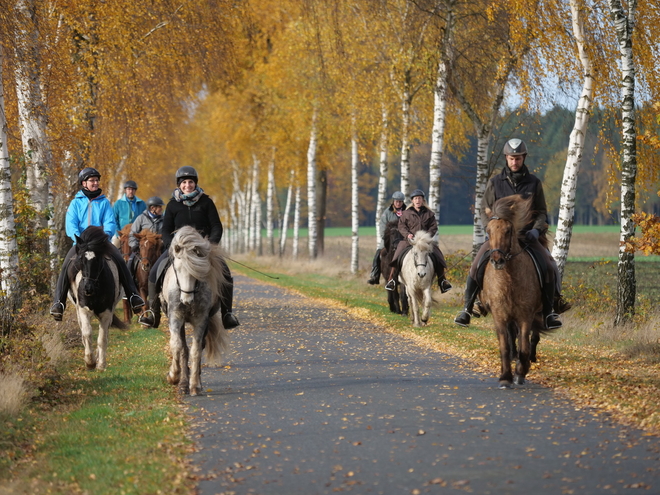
{"x": 398, "y": 300}
{"x": 151, "y": 247}
{"x": 191, "y": 294}
{"x": 95, "y": 290}
{"x": 511, "y": 289}
{"x": 416, "y": 274}
{"x": 125, "y": 250}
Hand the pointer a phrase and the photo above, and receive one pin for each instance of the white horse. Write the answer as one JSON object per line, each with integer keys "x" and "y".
{"x": 417, "y": 274}
{"x": 191, "y": 294}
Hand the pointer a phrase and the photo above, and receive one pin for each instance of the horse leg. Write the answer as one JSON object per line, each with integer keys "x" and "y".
{"x": 196, "y": 358}
{"x": 128, "y": 312}
{"x": 426, "y": 313}
{"x": 85, "y": 324}
{"x": 393, "y": 301}
{"x": 176, "y": 347}
{"x": 536, "y": 338}
{"x": 513, "y": 336}
{"x": 414, "y": 308}
{"x": 405, "y": 309}
{"x": 105, "y": 319}
{"x": 184, "y": 382}
{"x": 522, "y": 368}
{"x": 506, "y": 376}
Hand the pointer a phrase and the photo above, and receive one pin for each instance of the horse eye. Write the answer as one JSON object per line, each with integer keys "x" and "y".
{"x": 177, "y": 249}
{"x": 197, "y": 252}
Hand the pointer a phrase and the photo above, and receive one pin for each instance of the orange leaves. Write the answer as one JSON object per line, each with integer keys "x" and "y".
{"x": 649, "y": 241}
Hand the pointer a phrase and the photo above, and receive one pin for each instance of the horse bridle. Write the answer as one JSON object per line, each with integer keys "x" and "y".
{"x": 417, "y": 265}
{"x": 98, "y": 275}
{"x": 176, "y": 275}
{"x": 506, "y": 256}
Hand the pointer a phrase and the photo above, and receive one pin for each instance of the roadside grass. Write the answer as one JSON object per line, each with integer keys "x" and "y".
{"x": 610, "y": 369}
{"x": 118, "y": 431}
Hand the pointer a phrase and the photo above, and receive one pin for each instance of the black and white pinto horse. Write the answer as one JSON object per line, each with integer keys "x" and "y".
{"x": 191, "y": 294}
{"x": 95, "y": 290}
{"x": 417, "y": 274}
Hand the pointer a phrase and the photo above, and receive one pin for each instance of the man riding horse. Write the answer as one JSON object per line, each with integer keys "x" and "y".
{"x": 515, "y": 178}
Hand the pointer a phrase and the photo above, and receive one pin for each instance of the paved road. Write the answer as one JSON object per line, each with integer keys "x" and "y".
{"x": 315, "y": 402}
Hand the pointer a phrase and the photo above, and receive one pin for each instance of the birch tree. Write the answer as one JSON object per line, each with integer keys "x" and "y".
{"x": 576, "y": 143}
{"x": 270, "y": 194}
{"x": 285, "y": 216}
{"x": 311, "y": 188}
{"x": 383, "y": 143}
{"x": 624, "y": 25}
{"x": 355, "y": 217}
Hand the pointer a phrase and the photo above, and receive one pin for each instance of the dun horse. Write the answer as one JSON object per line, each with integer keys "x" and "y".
{"x": 191, "y": 294}
{"x": 398, "y": 300}
{"x": 417, "y": 272}
{"x": 511, "y": 288}
{"x": 95, "y": 290}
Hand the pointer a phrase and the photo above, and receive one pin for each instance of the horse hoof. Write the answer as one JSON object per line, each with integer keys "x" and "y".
{"x": 505, "y": 385}
{"x": 184, "y": 391}
{"x": 195, "y": 391}
{"x": 172, "y": 380}
{"x": 90, "y": 366}
{"x": 519, "y": 380}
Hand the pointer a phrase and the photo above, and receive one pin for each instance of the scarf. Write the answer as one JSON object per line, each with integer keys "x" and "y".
{"x": 92, "y": 195}
{"x": 188, "y": 199}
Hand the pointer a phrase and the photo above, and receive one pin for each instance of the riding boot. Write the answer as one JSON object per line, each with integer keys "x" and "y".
{"x": 443, "y": 283}
{"x": 550, "y": 318}
{"x": 127, "y": 282}
{"x": 471, "y": 291}
{"x": 229, "y": 320}
{"x": 62, "y": 288}
{"x": 151, "y": 317}
{"x": 560, "y": 304}
{"x": 391, "y": 281}
{"x": 374, "y": 277}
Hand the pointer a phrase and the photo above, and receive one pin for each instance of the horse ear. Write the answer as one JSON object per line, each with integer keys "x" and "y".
{"x": 488, "y": 211}
{"x": 78, "y": 240}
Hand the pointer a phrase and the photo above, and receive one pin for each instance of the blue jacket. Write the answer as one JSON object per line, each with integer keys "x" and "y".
{"x": 83, "y": 212}
{"x": 124, "y": 214}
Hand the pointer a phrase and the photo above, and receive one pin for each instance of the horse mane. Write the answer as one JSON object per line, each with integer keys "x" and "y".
{"x": 390, "y": 234}
{"x": 423, "y": 241}
{"x": 202, "y": 259}
{"x": 149, "y": 235}
{"x": 514, "y": 209}
{"x": 94, "y": 239}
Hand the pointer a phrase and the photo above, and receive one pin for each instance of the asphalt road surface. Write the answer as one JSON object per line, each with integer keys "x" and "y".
{"x": 312, "y": 401}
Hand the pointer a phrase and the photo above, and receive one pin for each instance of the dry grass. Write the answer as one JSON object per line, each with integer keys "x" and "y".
{"x": 13, "y": 393}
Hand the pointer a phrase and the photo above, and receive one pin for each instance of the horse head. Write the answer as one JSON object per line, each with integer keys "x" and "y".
{"x": 189, "y": 253}
{"x": 151, "y": 246}
{"x": 422, "y": 246}
{"x": 507, "y": 219}
{"x": 91, "y": 247}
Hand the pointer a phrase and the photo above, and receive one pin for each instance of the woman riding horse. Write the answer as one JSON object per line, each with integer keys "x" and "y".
{"x": 190, "y": 206}
{"x": 91, "y": 207}
{"x": 419, "y": 217}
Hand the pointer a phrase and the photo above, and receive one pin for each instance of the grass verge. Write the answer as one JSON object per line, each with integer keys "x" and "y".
{"x": 576, "y": 361}
{"x": 121, "y": 431}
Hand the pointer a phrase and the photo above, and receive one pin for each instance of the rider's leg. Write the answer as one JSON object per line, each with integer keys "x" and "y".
{"x": 131, "y": 291}
{"x": 439, "y": 264}
{"x": 391, "y": 280}
{"x": 374, "y": 276}
{"x": 471, "y": 291}
{"x": 62, "y": 287}
{"x": 229, "y": 320}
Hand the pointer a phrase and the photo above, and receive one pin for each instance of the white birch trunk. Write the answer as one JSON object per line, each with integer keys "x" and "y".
{"x": 624, "y": 25}
{"x": 285, "y": 217}
{"x": 270, "y": 194}
{"x": 31, "y": 109}
{"x": 241, "y": 218}
{"x": 254, "y": 206}
{"x": 382, "y": 176}
{"x": 478, "y": 235}
{"x": 258, "y": 217}
{"x": 575, "y": 146}
{"x": 296, "y": 224}
{"x": 405, "y": 138}
{"x": 355, "y": 217}
{"x": 311, "y": 189}
{"x": 8, "y": 244}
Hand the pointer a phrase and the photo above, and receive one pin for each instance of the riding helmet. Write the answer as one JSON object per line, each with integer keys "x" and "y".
{"x": 130, "y": 183}
{"x": 417, "y": 192}
{"x": 86, "y": 173}
{"x": 515, "y": 147}
{"x": 186, "y": 172}
{"x": 154, "y": 201}
{"x": 398, "y": 196}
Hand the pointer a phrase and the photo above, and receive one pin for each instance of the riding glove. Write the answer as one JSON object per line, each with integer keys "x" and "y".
{"x": 532, "y": 235}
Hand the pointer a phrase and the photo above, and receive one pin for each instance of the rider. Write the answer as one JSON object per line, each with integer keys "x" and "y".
{"x": 515, "y": 178}
{"x": 129, "y": 206}
{"x": 189, "y": 205}
{"x": 91, "y": 207}
{"x": 389, "y": 215}
{"x": 151, "y": 218}
{"x": 419, "y": 217}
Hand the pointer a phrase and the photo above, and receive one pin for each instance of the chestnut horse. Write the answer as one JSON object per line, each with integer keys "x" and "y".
{"x": 125, "y": 250}
{"x": 397, "y": 299}
{"x": 151, "y": 246}
{"x": 511, "y": 288}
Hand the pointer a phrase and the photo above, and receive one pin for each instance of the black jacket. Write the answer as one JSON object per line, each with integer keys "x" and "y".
{"x": 203, "y": 216}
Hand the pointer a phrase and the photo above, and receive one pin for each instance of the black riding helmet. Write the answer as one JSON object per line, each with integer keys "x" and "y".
{"x": 186, "y": 172}
{"x": 154, "y": 201}
{"x": 130, "y": 183}
{"x": 86, "y": 173}
{"x": 515, "y": 147}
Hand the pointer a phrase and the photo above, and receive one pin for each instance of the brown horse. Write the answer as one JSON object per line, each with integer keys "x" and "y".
{"x": 398, "y": 300}
{"x": 511, "y": 288}
{"x": 151, "y": 247}
{"x": 125, "y": 250}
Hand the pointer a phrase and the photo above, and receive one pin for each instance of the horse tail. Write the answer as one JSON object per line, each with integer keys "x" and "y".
{"x": 118, "y": 323}
{"x": 217, "y": 340}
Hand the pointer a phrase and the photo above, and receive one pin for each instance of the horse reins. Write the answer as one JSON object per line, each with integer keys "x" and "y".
{"x": 176, "y": 275}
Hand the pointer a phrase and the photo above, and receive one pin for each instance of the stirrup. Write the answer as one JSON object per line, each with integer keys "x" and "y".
{"x": 462, "y": 318}
{"x": 136, "y": 302}
{"x": 445, "y": 286}
{"x": 552, "y": 321}
{"x": 148, "y": 318}
{"x": 57, "y": 311}
{"x": 390, "y": 285}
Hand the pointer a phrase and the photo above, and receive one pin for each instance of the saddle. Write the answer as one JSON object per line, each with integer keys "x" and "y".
{"x": 539, "y": 266}
{"x": 399, "y": 261}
